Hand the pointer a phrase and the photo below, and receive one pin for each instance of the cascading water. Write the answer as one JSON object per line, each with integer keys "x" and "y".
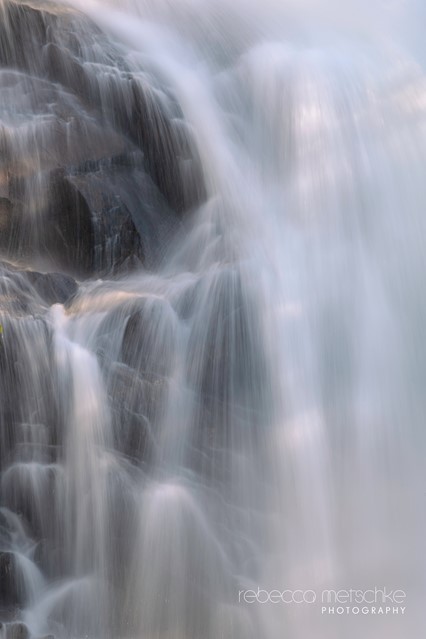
{"x": 230, "y": 397}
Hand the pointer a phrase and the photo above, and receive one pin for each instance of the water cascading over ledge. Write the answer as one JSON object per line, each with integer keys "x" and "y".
{"x": 121, "y": 404}
{"x": 211, "y": 303}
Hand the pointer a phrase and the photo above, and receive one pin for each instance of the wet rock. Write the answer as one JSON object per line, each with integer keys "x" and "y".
{"x": 108, "y": 194}
{"x": 5, "y": 534}
{"x": 134, "y": 408}
{"x": 69, "y": 234}
{"x": 26, "y": 390}
{"x": 18, "y": 289}
{"x": 64, "y": 196}
{"x": 139, "y": 109}
{"x": 53, "y": 288}
{"x": 149, "y": 340}
{"x": 49, "y": 557}
{"x": 26, "y": 487}
{"x": 6, "y": 211}
{"x": 22, "y": 23}
{"x": 65, "y": 68}
{"x": 10, "y": 589}
{"x": 15, "y": 293}
{"x": 171, "y": 159}
{"x": 17, "y": 630}
{"x": 83, "y": 226}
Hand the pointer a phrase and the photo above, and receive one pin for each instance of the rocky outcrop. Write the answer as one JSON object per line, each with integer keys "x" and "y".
{"x": 96, "y": 163}
{"x": 53, "y": 288}
{"x": 25, "y": 292}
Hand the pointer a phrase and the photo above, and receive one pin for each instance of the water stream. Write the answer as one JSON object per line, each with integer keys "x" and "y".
{"x": 236, "y": 401}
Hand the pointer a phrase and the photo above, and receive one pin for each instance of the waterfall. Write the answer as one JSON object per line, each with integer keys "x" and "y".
{"x": 212, "y": 351}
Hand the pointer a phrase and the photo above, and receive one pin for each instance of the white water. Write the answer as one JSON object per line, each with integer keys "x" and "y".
{"x": 279, "y": 358}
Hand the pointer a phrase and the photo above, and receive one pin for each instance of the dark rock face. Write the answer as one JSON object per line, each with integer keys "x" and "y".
{"x": 6, "y": 221}
{"x": 5, "y": 533}
{"x": 129, "y": 217}
{"x": 69, "y": 234}
{"x": 53, "y": 288}
{"x": 11, "y": 591}
{"x": 96, "y": 163}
